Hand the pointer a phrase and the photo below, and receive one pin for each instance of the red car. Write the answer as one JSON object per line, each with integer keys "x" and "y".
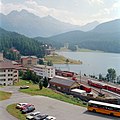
{"x": 25, "y": 106}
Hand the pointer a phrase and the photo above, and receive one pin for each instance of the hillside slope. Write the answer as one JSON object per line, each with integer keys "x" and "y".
{"x": 25, "y": 45}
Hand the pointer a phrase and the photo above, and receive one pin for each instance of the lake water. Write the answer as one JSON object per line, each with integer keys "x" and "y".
{"x": 94, "y": 63}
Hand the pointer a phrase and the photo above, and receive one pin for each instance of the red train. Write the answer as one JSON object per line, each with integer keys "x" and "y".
{"x": 87, "y": 89}
{"x": 64, "y": 73}
{"x": 104, "y": 86}
{"x": 94, "y": 84}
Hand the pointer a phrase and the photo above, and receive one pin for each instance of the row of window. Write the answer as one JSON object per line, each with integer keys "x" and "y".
{"x": 9, "y": 79}
{"x": 9, "y": 70}
{"x": 3, "y": 75}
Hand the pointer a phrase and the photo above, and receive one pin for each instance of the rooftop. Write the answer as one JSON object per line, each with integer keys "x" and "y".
{"x": 6, "y": 64}
{"x": 43, "y": 66}
{"x": 63, "y": 82}
{"x": 28, "y": 57}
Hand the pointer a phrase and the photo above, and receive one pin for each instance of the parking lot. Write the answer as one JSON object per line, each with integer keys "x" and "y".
{"x": 56, "y": 108}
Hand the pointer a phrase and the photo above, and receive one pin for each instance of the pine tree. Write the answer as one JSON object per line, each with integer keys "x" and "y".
{"x": 45, "y": 82}
{"x": 40, "y": 85}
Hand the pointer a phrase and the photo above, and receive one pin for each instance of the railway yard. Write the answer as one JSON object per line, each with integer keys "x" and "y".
{"x": 97, "y": 88}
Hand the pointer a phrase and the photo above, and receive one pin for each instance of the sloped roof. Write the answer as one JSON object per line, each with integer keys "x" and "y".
{"x": 29, "y": 57}
{"x": 6, "y": 64}
{"x": 62, "y": 82}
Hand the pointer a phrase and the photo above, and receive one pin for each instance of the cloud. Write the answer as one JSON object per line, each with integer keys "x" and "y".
{"x": 101, "y": 13}
{"x": 95, "y": 2}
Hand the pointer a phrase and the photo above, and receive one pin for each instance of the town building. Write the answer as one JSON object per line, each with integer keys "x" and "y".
{"x": 49, "y": 51}
{"x": 44, "y": 71}
{"x": 8, "y": 73}
{"x": 29, "y": 61}
{"x": 63, "y": 84}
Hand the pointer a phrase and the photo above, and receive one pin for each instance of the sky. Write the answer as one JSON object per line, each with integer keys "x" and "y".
{"x": 77, "y": 12}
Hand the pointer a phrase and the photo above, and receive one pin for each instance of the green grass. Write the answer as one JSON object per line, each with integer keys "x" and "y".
{"x": 15, "y": 112}
{"x": 58, "y": 59}
{"x": 4, "y": 95}
{"x": 23, "y": 82}
{"x": 34, "y": 90}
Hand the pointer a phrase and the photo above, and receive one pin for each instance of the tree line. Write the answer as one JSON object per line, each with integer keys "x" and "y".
{"x": 111, "y": 76}
{"x": 31, "y": 76}
{"x": 25, "y": 45}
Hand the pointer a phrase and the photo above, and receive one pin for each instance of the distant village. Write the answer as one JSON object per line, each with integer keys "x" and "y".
{"x": 83, "y": 87}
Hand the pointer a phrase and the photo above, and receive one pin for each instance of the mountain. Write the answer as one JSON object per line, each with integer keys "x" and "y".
{"x": 31, "y": 25}
{"x": 107, "y": 39}
{"x": 108, "y": 27}
{"x": 89, "y": 26}
{"x": 25, "y": 45}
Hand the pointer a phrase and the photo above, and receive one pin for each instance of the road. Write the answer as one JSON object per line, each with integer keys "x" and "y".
{"x": 59, "y": 109}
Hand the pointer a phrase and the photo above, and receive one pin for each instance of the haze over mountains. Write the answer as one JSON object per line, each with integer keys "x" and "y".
{"x": 31, "y": 25}
{"x": 105, "y": 36}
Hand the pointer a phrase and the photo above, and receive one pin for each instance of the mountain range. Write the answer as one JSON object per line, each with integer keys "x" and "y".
{"x": 105, "y": 37}
{"x": 31, "y": 25}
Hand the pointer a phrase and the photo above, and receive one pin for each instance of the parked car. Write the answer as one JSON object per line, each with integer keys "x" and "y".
{"x": 24, "y": 87}
{"x": 40, "y": 117}
{"x": 19, "y": 105}
{"x": 28, "y": 109}
{"x": 31, "y": 115}
{"x": 50, "y": 118}
{"x": 25, "y": 106}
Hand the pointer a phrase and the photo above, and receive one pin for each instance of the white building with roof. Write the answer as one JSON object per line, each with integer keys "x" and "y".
{"x": 8, "y": 73}
{"x": 44, "y": 71}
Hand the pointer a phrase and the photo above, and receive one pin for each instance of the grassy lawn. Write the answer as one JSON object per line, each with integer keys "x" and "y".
{"x": 15, "y": 112}
{"x": 58, "y": 59}
{"x": 4, "y": 95}
{"x": 34, "y": 90}
{"x": 23, "y": 82}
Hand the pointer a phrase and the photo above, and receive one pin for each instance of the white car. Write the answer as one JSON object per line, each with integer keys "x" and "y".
{"x": 24, "y": 87}
{"x": 19, "y": 105}
{"x": 50, "y": 118}
{"x": 31, "y": 115}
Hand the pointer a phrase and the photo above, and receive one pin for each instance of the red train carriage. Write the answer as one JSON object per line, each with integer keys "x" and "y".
{"x": 110, "y": 88}
{"x": 67, "y": 74}
{"x": 118, "y": 90}
{"x": 87, "y": 89}
{"x": 94, "y": 84}
{"x": 74, "y": 78}
{"x": 104, "y": 86}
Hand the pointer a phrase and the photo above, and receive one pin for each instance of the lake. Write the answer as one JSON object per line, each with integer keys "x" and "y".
{"x": 94, "y": 63}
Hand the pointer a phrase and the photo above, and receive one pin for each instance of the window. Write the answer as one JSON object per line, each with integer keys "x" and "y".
{"x": 2, "y": 70}
{"x": 2, "y": 79}
{"x": 3, "y": 75}
{"x": 9, "y": 74}
{"x": 29, "y": 62}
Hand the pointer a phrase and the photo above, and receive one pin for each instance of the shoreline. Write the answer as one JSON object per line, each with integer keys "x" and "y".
{"x": 59, "y": 59}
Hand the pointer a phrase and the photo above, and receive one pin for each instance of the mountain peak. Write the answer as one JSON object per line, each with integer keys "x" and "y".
{"x": 23, "y": 12}
{"x": 109, "y": 27}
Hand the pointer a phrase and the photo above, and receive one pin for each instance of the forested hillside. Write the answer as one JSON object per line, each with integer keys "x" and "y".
{"x": 105, "y": 37}
{"x": 25, "y": 45}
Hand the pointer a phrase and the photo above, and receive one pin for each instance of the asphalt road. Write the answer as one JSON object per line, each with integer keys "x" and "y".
{"x": 59, "y": 109}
